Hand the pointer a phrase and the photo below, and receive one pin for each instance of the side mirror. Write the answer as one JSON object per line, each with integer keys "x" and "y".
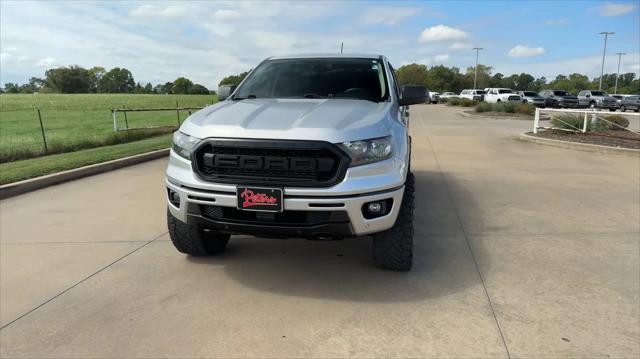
{"x": 413, "y": 94}
{"x": 588, "y": 96}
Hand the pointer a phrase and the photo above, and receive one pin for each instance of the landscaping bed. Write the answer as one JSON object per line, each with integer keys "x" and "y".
{"x": 611, "y": 138}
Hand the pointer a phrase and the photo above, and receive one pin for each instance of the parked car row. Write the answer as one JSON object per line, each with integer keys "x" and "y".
{"x": 549, "y": 98}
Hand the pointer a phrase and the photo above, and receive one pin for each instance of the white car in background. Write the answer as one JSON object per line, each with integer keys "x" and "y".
{"x": 477, "y": 95}
{"x": 434, "y": 97}
{"x": 501, "y": 94}
{"x": 448, "y": 95}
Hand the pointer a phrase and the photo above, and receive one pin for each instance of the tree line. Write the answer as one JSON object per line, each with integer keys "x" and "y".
{"x": 76, "y": 79}
{"x": 450, "y": 79}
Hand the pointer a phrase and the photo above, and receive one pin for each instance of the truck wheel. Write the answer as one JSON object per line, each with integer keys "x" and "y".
{"x": 393, "y": 248}
{"x": 194, "y": 240}
{"x": 612, "y": 109}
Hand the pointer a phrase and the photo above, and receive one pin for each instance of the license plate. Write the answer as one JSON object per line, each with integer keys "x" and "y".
{"x": 260, "y": 199}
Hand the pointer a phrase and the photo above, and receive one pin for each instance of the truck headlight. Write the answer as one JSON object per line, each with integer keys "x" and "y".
{"x": 368, "y": 151}
{"x": 183, "y": 144}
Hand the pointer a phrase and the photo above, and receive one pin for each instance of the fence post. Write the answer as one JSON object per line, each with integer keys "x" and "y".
{"x": 115, "y": 121}
{"x": 178, "y": 113}
{"x": 44, "y": 138}
{"x": 584, "y": 125}
{"x": 126, "y": 120}
{"x": 536, "y": 120}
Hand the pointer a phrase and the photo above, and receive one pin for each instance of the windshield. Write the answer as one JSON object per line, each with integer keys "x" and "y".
{"x": 531, "y": 94}
{"x": 317, "y": 78}
{"x": 504, "y": 91}
{"x": 480, "y": 92}
{"x": 560, "y": 93}
{"x": 599, "y": 93}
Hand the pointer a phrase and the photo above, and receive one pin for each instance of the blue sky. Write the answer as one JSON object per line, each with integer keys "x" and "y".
{"x": 205, "y": 41}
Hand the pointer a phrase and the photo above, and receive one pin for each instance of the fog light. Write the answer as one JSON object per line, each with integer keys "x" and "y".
{"x": 174, "y": 197}
{"x": 377, "y": 209}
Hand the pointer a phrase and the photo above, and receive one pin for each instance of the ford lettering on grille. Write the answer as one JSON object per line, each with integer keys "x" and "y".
{"x": 298, "y": 164}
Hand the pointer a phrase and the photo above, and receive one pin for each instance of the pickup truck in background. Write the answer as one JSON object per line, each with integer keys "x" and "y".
{"x": 596, "y": 99}
{"x": 559, "y": 99}
{"x": 476, "y": 95}
{"x": 496, "y": 95}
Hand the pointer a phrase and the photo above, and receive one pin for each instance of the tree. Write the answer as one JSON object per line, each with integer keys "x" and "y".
{"x": 413, "y": 74}
{"x": 95, "y": 74}
{"x": 11, "y": 87}
{"x": 234, "y": 79}
{"x": 181, "y": 85}
{"x": 72, "y": 79}
{"x": 484, "y": 76}
{"x": 117, "y": 80}
{"x": 148, "y": 88}
{"x": 198, "y": 89}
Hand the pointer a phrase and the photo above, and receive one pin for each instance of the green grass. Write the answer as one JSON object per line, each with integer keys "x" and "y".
{"x": 20, "y": 170}
{"x": 76, "y": 121}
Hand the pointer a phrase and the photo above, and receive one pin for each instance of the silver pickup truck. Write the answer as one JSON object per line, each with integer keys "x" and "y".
{"x": 313, "y": 146}
{"x": 596, "y": 99}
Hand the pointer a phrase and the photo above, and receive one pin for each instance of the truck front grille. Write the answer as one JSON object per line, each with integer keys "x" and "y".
{"x": 270, "y": 162}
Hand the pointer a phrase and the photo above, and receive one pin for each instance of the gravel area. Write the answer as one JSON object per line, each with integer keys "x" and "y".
{"x": 623, "y": 139}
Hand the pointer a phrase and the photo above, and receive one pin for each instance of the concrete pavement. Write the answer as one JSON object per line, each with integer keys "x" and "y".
{"x": 522, "y": 250}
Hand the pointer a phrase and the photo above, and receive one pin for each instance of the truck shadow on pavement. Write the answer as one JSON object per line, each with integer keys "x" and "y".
{"x": 343, "y": 270}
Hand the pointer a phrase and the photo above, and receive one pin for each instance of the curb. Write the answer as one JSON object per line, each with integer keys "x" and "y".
{"x": 32, "y": 184}
{"x": 577, "y": 145}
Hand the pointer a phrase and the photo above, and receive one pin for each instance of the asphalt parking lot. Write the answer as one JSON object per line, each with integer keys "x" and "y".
{"x": 522, "y": 250}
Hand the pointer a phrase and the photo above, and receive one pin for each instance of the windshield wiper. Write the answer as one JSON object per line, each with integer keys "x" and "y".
{"x": 244, "y": 98}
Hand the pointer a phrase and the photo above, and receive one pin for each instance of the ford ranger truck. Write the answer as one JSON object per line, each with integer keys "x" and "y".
{"x": 313, "y": 146}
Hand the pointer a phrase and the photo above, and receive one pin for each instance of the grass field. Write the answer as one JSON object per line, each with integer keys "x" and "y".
{"x": 34, "y": 167}
{"x": 76, "y": 121}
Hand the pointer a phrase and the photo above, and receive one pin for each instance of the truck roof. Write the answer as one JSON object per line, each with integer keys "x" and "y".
{"x": 326, "y": 56}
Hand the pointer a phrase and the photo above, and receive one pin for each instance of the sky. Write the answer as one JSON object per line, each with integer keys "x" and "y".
{"x": 208, "y": 40}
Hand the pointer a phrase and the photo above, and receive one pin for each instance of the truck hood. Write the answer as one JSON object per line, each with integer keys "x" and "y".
{"x": 333, "y": 120}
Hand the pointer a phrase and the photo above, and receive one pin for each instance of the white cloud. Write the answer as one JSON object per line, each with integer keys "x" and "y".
{"x": 441, "y": 33}
{"x": 46, "y": 62}
{"x": 555, "y": 22}
{"x": 635, "y": 67}
{"x": 525, "y": 51}
{"x": 456, "y": 46}
{"x": 441, "y": 58}
{"x": 226, "y": 14}
{"x": 155, "y": 11}
{"x": 613, "y": 9}
{"x": 385, "y": 15}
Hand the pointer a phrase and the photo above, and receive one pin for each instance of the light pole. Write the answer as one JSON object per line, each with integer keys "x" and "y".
{"x": 475, "y": 76}
{"x": 620, "y": 54}
{"x": 606, "y": 35}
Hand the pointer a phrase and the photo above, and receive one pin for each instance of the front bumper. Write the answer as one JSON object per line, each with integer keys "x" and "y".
{"x": 362, "y": 184}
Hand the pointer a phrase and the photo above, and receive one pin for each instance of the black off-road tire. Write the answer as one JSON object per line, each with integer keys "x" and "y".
{"x": 393, "y": 248}
{"x": 194, "y": 240}
{"x": 623, "y": 108}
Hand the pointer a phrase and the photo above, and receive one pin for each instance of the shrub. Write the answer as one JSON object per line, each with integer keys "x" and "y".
{"x": 454, "y": 101}
{"x": 509, "y": 107}
{"x": 443, "y": 100}
{"x": 620, "y": 122}
{"x": 525, "y": 109}
{"x": 484, "y": 107}
{"x": 568, "y": 121}
{"x": 464, "y": 102}
{"x": 575, "y": 123}
{"x": 498, "y": 107}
